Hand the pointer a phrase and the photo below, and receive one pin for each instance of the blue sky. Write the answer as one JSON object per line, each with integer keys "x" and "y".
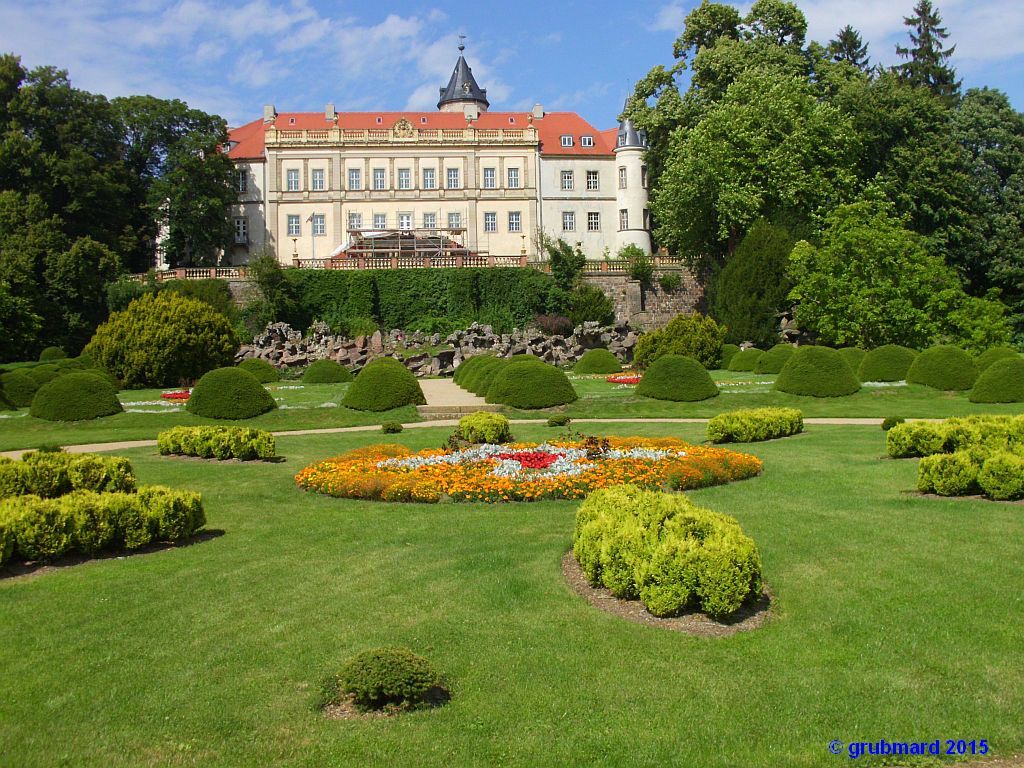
{"x": 232, "y": 57}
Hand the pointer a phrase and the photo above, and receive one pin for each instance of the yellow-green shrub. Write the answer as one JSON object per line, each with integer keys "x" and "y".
{"x": 1002, "y": 476}
{"x": 948, "y": 474}
{"x": 754, "y": 424}
{"x": 43, "y": 528}
{"x": 915, "y": 438}
{"x": 485, "y": 427}
{"x": 217, "y": 443}
{"x": 50, "y": 475}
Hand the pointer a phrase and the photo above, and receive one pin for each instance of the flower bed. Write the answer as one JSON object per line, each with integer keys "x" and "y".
{"x": 524, "y": 471}
{"x": 625, "y": 378}
{"x": 181, "y": 396}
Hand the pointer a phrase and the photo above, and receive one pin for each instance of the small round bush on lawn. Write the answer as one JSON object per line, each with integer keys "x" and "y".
{"x": 264, "y": 372}
{"x": 560, "y": 420}
{"x": 679, "y": 378}
{"x": 1001, "y": 382}
{"x": 729, "y": 351}
{"x": 531, "y": 385}
{"x": 817, "y": 372}
{"x": 891, "y": 421}
{"x": 598, "y": 361}
{"x": 42, "y": 374}
{"x": 326, "y": 372}
{"x": 989, "y": 356}
{"x": 745, "y": 360}
{"x": 384, "y": 677}
{"x": 886, "y": 363}
{"x": 773, "y": 360}
{"x": 382, "y": 385}
{"x": 229, "y": 393}
{"x": 485, "y": 427}
{"x": 853, "y": 356}
{"x": 1002, "y": 476}
{"x": 391, "y": 427}
{"x": 19, "y": 387}
{"x": 52, "y": 354}
{"x": 76, "y": 397}
{"x": 943, "y": 367}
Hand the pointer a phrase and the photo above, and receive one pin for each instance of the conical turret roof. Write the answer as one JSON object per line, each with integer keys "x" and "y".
{"x": 462, "y": 86}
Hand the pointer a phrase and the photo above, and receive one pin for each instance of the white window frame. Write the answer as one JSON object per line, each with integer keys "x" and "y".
{"x": 515, "y": 221}
{"x": 490, "y": 178}
{"x": 294, "y": 225}
{"x": 513, "y": 178}
{"x": 430, "y": 221}
{"x": 566, "y": 140}
{"x": 355, "y": 221}
{"x": 243, "y": 180}
{"x": 291, "y": 180}
{"x": 567, "y": 181}
{"x": 454, "y": 220}
{"x": 452, "y": 178}
{"x": 593, "y": 181}
{"x": 623, "y": 219}
{"x": 405, "y": 178}
{"x": 380, "y": 221}
{"x": 568, "y": 221}
{"x": 355, "y": 179}
{"x": 241, "y": 230}
{"x": 490, "y": 221}
{"x": 586, "y": 141}
{"x": 380, "y": 179}
{"x": 319, "y": 225}
{"x": 593, "y": 221}
{"x": 430, "y": 178}
{"x": 405, "y": 221}
{"x": 318, "y": 179}
{"x": 623, "y": 177}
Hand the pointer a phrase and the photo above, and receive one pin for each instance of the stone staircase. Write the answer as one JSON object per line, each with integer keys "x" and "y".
{"x": 438, "y": 412}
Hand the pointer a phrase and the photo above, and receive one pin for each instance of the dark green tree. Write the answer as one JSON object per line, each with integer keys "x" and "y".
{"x": 849, "y": 47}
{"x": 927, "y": 60}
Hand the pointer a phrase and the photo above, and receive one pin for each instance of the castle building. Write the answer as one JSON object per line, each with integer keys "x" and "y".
{"x": 311, "y": 185}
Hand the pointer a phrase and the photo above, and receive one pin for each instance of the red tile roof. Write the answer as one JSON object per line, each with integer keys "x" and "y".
{"x": 249, "y": 137}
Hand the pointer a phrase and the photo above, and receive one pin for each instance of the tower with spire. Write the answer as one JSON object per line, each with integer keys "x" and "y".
{"x": 462, "y": 90}
{"x": 631, "y": 195}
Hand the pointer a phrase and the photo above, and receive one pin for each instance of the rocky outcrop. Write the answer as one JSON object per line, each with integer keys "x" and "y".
{"x": 284, "y": 347}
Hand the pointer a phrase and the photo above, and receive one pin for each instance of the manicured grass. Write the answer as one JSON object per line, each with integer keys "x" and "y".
{"x": 300, "y": 406}
{"x": 894, "y": 617}
{"x": 599, "y": 399}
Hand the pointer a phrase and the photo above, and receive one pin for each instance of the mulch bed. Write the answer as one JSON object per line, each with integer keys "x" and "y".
{"x": 975, "y": 497}
{"x": 750, "y": 616}
{"x": 184, "y": 457}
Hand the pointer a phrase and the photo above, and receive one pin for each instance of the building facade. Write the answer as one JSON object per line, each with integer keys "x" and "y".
{"x": 311, "y": 184}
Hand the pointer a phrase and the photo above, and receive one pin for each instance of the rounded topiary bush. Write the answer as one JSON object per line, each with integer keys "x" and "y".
{"x": 773, "y": 360}
{"x": 229, "y": 393}
{"x": 943, "y": 367}
{"x": 382, "y": 385}
{"x": 1000, "y": 382}
{"x": 5, "y": 404}
{"x": 42, "y": 374}
{"x": 384, "y": 678}
{"x": 745, "y": 360}
{"x": 531, "y": 385}
{"x": 679, "y": 378}
{"x": 989, "y": 356}
{"x": 19, "y": 388}
{"x": 689, "y": 335}
{"x": 264, "y": 372}
{"x": 598, "y": 361}
{"x": 886, "y": 363}
{"x": 76, "y": 397}
{"x": 728, "y": 352}
{"x": 326, "y": 372}
{"x": 163, "y": 340}
{"x": 51, "y": 354}
{"x": 466, "y": 367}
{"x": 478, "y": 380}
{"x": 817, "y": 372}
{"x": 853, "y": 356}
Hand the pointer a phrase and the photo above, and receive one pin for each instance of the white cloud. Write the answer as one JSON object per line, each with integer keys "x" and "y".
{"x": 669, "y": 18}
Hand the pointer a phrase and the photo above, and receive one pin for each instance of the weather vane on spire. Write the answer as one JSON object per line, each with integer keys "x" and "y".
{"x": 462, "y": 45}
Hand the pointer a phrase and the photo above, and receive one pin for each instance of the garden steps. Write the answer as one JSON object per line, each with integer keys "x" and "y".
{"x": 430, "y": 412}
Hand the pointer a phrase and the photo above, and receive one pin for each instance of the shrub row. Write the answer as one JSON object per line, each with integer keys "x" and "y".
{"x": 217, "y": 443}
{"x": 988, "y": 434}
{"x": 662, "y": 548}
{"x": 484, "y": 427}
{"x": 521, "y": 381}
{"x": 34, "y": 528}
{"x": 50, "y": 475}
{"x": 999, "y": 475}
{"x": 755, "y": 424}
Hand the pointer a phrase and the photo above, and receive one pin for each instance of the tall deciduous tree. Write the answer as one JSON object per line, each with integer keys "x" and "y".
{"x": 927, "y": 60}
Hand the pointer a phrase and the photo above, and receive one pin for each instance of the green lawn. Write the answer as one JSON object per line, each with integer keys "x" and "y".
{"x": 895, "y": 617}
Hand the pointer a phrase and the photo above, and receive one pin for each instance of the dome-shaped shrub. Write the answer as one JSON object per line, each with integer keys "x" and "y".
{"x": 478, "y": 380}
{"x": 886, "y": 363}
{"x": 163, "y": 339}
{"x": 943, "y": 367}
{"x": 467, "y": 366}
{"x": 326, "y": 372}
{"x": 679, "y": 378}
{"x": 52, "y": 354}
{"x": 75, "y": 397}
{"x": 817, "y": 372}
{"x": 728, "y": 352}
{"x": 745, "y": 359}
{"x": 383, "y": 677}
{"x": 229, "y": 393}
{"x": 42, "y": 374}
{"x": 382, "y": 385}
{"x": 773, "y": 360}
{"x": 598, "y": 361}
{"x": 5, "y": 405}
{"x": 853, "y": 356}
{"x": 1001, "y": 382}
{"x": 530, "y": 385}
{"x": 989, "y": 356}
{"x": 19, "y": 387}
{"x": 264, "y": 372}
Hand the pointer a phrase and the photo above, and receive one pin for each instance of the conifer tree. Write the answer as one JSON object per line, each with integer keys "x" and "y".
{"x": 850, "y": 47}
{"x": 927, "y": 60}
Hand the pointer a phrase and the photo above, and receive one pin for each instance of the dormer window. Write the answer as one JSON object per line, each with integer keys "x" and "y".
{"x": 586, "y": 141}
{"x": 423, "y": 120}
{"x": 380, "y": 120}
{"x": 291, "y": 121}
{"x": 567, "y": 141}
{"x": 512, "y": 121}
{"x": 622, "y": 139}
